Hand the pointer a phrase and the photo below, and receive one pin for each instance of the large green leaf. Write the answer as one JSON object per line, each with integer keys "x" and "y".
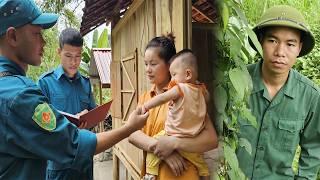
{"x": 86, "y": 54}
{"x": 239, "y": 80}
{"x": 103, "y": 39}
{"x": 246, "y": 144}
{"x": 248, "y": 115}
{"x": 94, "y": 38}
{"x": 240, "y": 175}
{"x": 230, "y": 156}
{"x": 225, "y": 15}
{"x": 254, "y": 40}
{"x": 232, "y": 174}
{"x": 235, "y": 46}
{"x": 84, "y": 68}
{"x": 220, "y": 98}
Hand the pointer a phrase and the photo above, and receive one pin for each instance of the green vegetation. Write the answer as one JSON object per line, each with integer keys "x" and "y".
{"x": 233, "y": 84}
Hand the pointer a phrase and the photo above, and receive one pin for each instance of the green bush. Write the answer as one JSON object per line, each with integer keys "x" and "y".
{"x": 310, "y": 65}
{"x": 50, "y": 59}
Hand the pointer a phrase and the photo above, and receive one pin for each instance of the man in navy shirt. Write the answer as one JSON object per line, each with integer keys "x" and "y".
{"x": 66, "y": 89}
{"x": 32, "y": 131}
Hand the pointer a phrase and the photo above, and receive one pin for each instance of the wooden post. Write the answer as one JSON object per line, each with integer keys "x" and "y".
{"x": 188, "y": 24}
{"x": 115, "y": 167}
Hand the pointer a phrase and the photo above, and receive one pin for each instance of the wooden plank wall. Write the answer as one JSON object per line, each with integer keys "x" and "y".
{"x": 204, "y": 48}
{"x": 144, "y": 20}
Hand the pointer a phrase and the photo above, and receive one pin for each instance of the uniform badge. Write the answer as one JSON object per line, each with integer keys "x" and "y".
{"x": 44, "y": 117}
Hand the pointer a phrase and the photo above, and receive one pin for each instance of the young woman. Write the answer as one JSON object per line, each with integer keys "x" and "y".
{"x": 157, "y": 55}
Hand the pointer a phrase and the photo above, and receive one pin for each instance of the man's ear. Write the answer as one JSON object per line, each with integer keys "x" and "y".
{"x": 188, "y": 74}
{"x": 301, "y": 44}
{"x": 59, "y": 51}
{"x": 11, "y": 36}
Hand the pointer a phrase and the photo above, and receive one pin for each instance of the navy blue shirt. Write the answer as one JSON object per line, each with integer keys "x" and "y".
{"x": 68, "y": 95}
{"x": 27, "y": 141}
{"x": 71, "y": 96}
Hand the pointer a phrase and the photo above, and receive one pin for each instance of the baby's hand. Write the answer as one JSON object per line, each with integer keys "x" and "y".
{"x": 143, "y": 109}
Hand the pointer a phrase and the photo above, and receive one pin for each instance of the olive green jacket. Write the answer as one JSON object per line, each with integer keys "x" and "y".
{"x": 290, "y": 119}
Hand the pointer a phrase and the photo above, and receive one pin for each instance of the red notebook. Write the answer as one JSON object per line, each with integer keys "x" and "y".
{"x": 92, "y": 117}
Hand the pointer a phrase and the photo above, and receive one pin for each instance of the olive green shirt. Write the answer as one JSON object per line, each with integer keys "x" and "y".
{"x": 290, "y": 119}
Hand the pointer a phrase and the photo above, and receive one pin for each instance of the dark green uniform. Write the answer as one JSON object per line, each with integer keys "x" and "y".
{"x": 290, "y": 119}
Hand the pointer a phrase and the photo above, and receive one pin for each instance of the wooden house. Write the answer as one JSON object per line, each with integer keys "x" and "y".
{"x": 134, "y": 23}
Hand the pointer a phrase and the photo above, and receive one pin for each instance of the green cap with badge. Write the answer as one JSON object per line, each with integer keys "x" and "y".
{"x": 287, "y": 16}
{"x": 16, "y": 13}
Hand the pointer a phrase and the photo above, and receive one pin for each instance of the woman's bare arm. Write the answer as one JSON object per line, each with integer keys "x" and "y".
{"x": 205, "y": 141}
{"x": 142, "y": 141}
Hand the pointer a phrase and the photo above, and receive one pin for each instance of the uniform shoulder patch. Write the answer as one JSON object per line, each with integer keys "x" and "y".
{"x": 44, "y": 117}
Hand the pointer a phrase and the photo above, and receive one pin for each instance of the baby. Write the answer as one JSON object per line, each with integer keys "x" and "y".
{"x": 187, "y": 109}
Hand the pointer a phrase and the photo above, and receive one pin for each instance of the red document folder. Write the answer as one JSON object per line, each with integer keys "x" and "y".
{"x": 93, "y": 117}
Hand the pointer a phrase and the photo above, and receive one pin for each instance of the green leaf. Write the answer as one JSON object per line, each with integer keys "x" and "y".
{"x": 220, "y": 99}
{"x": 215, "y": 176}
{"x": 246, "y": 144}
{"x": 248, "y": 115}
{"x": 235, "y": 46}
{"x": 232, "y": 174}
{"x": 219, "y": 122}
{"x": 103, "y": 39}
{"x": 239, "y": 81}
{"x": 84, "y": 68}
{"x": 230, "y": 156}
{"x": 254, "y": 40}
{"x": 240, "y": 175}
{"x": 219, "y": 75}
{"x": 225, "y": 16}
{"x": 94, "y": 38}
{"x": 85, "y": 57}
{"x": 241, "y": 15}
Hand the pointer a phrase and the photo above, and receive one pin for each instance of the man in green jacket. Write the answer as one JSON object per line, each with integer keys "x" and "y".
{"x": 285, "y": 103}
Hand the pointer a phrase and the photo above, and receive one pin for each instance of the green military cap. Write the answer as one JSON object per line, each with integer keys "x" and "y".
{"x": 287, "y": 16}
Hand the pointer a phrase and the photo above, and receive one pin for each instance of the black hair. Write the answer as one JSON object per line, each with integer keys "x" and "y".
{"x": 166, "y": 46}
{"x": 70, "y": 36}
{"x": 180, "y": 53}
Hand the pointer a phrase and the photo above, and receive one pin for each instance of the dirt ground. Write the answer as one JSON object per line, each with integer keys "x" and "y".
{"x": 102, "y": 169}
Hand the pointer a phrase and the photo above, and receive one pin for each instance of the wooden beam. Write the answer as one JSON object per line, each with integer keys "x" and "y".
{"x": 126, "y": 162}
{"x": 202, "y": 14}
{"x": 189, "y": 23}
{"x": 133, "y": 7}
{"x": 115, "y": 167}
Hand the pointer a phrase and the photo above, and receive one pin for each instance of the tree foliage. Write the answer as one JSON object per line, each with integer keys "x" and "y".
{"x": 233, "y": 84}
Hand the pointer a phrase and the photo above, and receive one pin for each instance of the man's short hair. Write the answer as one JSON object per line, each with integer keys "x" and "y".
{"x": 71, "y": 37}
